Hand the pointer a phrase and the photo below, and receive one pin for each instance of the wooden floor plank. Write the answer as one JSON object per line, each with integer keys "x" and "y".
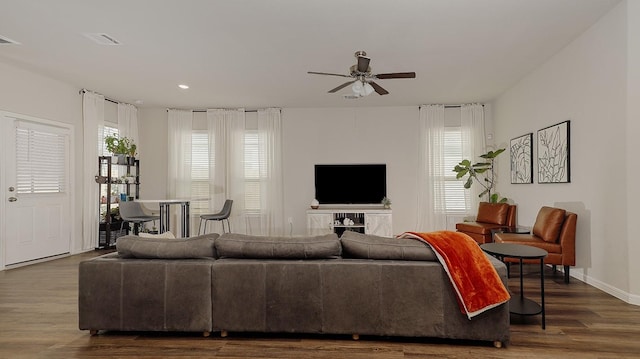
{"x": 39, "y": 319}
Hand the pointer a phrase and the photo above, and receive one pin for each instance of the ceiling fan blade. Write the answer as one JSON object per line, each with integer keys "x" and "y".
{"x": 397, "y": 75}
{"x": 363, "y": 63}
{"x": 378, "y": 89}
{"x": 326, "y": 73}
{"x": 342, "y": 86}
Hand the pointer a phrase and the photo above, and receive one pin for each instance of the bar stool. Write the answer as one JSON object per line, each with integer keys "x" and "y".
{"x": 222, "y": 216}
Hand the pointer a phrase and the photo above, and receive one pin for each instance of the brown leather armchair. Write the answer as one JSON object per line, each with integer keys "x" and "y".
{"x": 553, "y": 231}
{"x": 491, "y": 216}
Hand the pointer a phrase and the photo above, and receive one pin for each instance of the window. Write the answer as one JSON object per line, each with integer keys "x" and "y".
{"x": 102, "y": 148}
{"x": 200, "y": 171}
{"x": 252, "y": 171}
{"x": 41, "y": 153}
{"x": 456, "y": 196}
{"x": 106, "y": 131}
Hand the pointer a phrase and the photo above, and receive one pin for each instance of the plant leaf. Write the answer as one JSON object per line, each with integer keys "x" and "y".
{"x": 461, "y": 174}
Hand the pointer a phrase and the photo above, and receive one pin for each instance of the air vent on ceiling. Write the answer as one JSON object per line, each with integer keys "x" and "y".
{"x": 7, "y": 41}
{"x": 102, "y": 39}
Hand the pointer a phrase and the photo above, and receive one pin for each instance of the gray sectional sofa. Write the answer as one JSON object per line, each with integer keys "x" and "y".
{"x": 356, "y": 285}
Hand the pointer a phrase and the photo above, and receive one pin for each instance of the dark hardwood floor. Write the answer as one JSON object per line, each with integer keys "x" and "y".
{"x": 39, "y": 319}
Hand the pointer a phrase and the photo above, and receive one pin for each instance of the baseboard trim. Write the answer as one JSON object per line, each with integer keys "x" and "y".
{"x": 607, "y": 288}
{"x": 40, "y": 260}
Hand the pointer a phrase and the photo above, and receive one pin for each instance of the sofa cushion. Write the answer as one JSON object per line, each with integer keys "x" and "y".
{"x": 358, "y": 245}
{"x": 167, "y": 235}
{"x": 548, "y": 223}
{"x": 166, "y": 248}
{"x": 233, "y": 245}
{"x": 495, "y": 213}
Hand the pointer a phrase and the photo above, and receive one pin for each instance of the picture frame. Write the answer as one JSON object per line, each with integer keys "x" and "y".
{"x": 553, "y": 153}
{"x": 521, "y": 156}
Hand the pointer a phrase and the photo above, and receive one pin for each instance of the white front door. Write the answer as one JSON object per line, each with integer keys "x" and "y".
{"x": 36, "y": 202}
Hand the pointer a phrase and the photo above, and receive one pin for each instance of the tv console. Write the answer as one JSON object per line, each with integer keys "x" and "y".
{"x": 373, "y": 220}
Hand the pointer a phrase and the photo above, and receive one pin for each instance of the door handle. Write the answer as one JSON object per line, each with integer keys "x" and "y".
{"x": 12, "y": 199}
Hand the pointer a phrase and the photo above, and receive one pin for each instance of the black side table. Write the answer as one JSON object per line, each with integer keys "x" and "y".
{"x": 521, "y": 305}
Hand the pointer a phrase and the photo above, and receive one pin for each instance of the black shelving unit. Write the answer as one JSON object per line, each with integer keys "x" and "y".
{"x": 111, "y": 185}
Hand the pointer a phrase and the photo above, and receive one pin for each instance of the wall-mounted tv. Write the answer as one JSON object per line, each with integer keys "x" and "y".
{"x": 351, "y": 183}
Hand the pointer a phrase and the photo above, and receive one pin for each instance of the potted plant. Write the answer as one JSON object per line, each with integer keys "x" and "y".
{"x": 120, "y": 148}
{"x": 483, "y": 173}
{"x": 386, "y": 202}
{"x": 132, "y": 153}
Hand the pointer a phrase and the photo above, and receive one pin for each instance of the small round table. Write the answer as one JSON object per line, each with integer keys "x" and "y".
{"x": 521, "y": 305}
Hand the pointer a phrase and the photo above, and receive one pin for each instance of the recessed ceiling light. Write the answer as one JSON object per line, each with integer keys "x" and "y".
{"x": 139, "y": 102}
{"x": 184, "y": 87}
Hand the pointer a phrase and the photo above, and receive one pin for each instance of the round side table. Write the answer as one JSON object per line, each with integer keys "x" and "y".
{"x": 521, "y": 305}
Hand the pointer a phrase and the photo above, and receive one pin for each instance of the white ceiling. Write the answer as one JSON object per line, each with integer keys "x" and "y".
{"x": 250, "y": 53}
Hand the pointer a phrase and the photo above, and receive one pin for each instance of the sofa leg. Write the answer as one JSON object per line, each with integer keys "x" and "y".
{"x": 93, "y": 332}
{"x": 355, "y": 336}
{"x": 206, "y": 334}
{"x": 555, "y": 268}
{"x": 566, "y": 274}
{"x": 223, "y": 333}
{"x": 497, "y": 344}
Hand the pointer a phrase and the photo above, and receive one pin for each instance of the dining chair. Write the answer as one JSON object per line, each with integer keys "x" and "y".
{"x": 133, "y": 212}
{"x": 221, "y": 216}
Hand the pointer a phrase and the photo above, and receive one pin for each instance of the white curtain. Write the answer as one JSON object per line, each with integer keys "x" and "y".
{"x": 226, "y": 163}
{"x": 93, "y": 122}
{"x": 271, "y": 186}
{"x": 473, "y": 145}
{"x": 180, "y": 123}
{"x": 431, "y": 176}
{"x": 128, "y": 122}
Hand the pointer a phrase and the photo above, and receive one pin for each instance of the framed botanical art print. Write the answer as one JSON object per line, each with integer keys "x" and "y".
{"x": 521, "y": 152}
{"x": 553, "y": 154}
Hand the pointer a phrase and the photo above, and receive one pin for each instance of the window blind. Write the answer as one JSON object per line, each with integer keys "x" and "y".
{"x": 199, "y": 170}
{"x": 40, "y": 160}
{"x": 252, "y": 167}
{"x": 456, "y": 196}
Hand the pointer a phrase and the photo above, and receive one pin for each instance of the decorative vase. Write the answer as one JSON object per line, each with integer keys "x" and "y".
{"x": 315, "y": 204}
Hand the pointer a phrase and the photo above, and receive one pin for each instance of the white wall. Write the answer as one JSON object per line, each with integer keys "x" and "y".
{"x": 633, "y": 131}
{"x": 328, "y": 135}
{"x": 153, "y": 152}
{"x": 31, "y": 94}
{"x": 586, "y": 83}
{"x": 351, "y": 135}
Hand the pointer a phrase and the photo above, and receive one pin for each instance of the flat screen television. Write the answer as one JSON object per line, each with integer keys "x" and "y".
{"x": 351, "y": 183}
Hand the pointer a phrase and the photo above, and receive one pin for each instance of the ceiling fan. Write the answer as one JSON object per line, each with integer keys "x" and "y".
{"x": 363, "y": 83}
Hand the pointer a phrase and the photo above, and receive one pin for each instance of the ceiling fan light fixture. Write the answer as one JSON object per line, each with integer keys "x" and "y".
{"x": 367, "y": 89}
{"x": 362, "y": 88}
{"x": 357, "y": 88}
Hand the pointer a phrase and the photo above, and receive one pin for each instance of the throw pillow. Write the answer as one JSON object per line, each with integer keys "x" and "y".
{"x": 163, "y": 248}
{"x": 166, "y": 234}
{"x": 358, "y": 245}
{"x": 233, "y": 245}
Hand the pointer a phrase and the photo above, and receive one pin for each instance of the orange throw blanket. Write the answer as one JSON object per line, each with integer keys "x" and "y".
{"x": 474, "y": 278}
